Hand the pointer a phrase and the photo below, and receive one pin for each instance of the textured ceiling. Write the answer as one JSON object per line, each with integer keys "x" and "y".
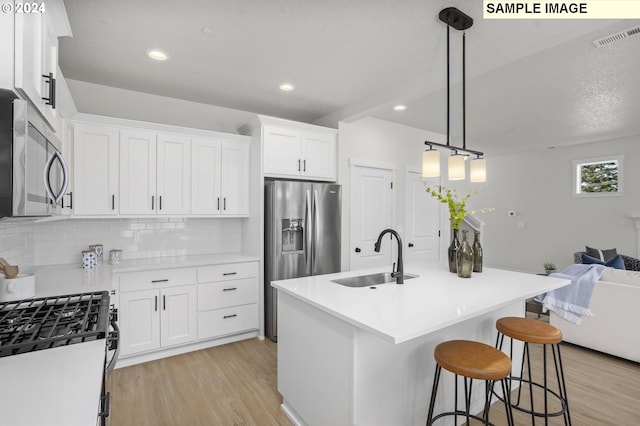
{"x": 530, "y": 84}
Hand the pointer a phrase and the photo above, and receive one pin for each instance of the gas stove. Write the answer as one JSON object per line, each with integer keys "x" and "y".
{"x": 49, "y": 322}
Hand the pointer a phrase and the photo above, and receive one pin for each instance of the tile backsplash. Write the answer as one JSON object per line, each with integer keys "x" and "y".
{"x": 60, "y": 242}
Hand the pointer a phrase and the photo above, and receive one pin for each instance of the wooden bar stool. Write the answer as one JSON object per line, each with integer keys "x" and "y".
{"x": 537, "y": 332}
{"x": 471, "y": 360}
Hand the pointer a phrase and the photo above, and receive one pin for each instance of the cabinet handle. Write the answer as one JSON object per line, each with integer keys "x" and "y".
{"x": 71, "y": 199}
{"x": 113, "y": 202}
{"x": 153, "y": 199}
{"x": 298, "y": 164}
{"x": 304, "y": 165}
{"x": 51, "y": 100}
{"x": 358, "y": 250}
{"x": 229, "y": 316}
{"x": 156, "y": 303}
{"x": 164, "y": 302}
{"x": 230, "y": 289}
{"x": 224, "y": 203}
{"x": 218, "y": 203}
{"x": 160, "y": 281}
{"x": 224, "y": 274}
{"x": 410, "y": 244}
{"x": 160, "y": 202}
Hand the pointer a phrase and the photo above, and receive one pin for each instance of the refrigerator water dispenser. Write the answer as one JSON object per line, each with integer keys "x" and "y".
{"x": 292, "y": 236}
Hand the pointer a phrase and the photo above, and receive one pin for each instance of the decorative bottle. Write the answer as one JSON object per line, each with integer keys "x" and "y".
{"x": 477, "y": 252}
{"x": 465, "y": 257}
{"x": 453, "y": 252}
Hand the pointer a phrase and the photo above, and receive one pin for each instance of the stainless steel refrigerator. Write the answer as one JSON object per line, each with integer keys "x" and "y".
{"x": 302, "y": 236}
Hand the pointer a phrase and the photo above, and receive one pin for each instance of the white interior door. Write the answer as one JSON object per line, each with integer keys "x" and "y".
{"x": 371, "y": 212}
{"x": 422, "y": 220}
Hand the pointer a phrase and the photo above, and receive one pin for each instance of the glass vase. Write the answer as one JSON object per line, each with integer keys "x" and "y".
{"x": 477, "y": 252}
{"x": 465, "y": 257}
{"x": 453, "y": 251}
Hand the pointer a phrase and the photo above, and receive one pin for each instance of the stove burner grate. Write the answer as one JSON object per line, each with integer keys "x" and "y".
{"x": 41, "y": 323}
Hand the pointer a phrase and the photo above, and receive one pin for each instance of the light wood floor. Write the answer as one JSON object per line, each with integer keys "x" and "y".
{"x": 235, "y": 384}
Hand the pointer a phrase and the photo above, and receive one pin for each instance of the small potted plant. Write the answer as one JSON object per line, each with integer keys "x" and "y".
{"x": 549, "y": 267}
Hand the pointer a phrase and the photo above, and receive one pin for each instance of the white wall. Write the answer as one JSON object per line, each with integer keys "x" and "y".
{"x": 120, "y": 103}
{"x": 537, "y": 185}
{"x": 379, "y": 142}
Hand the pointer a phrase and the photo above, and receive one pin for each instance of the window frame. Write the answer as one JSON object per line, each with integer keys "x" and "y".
{"x": 576, "y": 180}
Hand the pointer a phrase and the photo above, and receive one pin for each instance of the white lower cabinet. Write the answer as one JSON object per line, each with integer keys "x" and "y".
{"x": 175, "y": 307}
{"x": 154, "y": 316}
{"x": 227, "y": 299}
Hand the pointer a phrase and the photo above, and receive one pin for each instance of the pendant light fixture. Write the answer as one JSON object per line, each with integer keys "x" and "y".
{"x": 456, "y": 163}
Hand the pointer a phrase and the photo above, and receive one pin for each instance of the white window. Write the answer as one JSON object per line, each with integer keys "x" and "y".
{"x": 598, "y": 177}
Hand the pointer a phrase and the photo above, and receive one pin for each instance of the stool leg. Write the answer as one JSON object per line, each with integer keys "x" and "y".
{"x": 562, "y": 387}
{"x": 506, "y": 392}
{"x": 488, "y": 389}
{"x": 436, "y": 379}
{"x": 467, "y": 397}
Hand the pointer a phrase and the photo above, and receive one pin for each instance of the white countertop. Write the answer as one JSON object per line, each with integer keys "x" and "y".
{"x": 53, "y": 280}
{"x": 434, "y": 300}
{"x": 56, "y": 387}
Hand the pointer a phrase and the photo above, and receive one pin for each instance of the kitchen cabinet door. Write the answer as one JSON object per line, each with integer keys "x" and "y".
{"x": 281, "y": 151}
{"x": 319, "y": 156}
{"x": 173, "y": 174}
{"x": 29, "y": 56}
{"x": 178, "y": 315}
{"x": 95, "y": 170}
{"x": 205, "y": 176}
{"x": 137, "y": 172}
{"x": 235, "y": 173}
{"x": 139, "y": 321}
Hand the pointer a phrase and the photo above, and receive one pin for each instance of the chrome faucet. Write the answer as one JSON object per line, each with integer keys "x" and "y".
{"x": 399, "y": 273}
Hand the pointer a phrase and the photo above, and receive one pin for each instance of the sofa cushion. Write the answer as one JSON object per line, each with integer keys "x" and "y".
{"x": 620, "y": 276}
{"x": 602, "y": 254}
{"x": 630, "y": 263}
{"x": 615, "y": 262}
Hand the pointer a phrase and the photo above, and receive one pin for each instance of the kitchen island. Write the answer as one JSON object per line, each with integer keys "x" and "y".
{"x": 364, "y": 356}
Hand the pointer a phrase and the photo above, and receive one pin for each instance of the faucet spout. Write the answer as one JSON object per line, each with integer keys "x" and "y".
{"x": 399, "y": 273}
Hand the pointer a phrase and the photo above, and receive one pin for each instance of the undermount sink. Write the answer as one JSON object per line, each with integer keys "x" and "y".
{"x": 369, "y": 280}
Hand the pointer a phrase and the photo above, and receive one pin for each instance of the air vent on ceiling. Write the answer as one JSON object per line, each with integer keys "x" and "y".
{"x": 612, "y": 38}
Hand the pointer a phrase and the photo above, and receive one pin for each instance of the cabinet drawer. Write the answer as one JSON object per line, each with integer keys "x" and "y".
{"x": 157, "y": 279}
{"x": 227, "y": 293}
{"x": 227, "y": 321}
{"x": 229, "y": 271}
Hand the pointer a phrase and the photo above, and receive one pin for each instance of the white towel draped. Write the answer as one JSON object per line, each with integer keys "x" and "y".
{"x": 571, "y": 302}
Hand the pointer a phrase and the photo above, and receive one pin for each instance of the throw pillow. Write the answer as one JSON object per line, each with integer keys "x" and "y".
{"x": 630, "y": 263}
{"x": 615, "y": 262}
{"x": 604, "y": 255}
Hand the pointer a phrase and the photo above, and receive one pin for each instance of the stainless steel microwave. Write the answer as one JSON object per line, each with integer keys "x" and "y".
{"x": 33, "y": 174}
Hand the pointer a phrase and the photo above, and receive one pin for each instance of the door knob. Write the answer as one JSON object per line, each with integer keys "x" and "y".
{"x": 358, "y": 250}
{"x": 410, "y": 244}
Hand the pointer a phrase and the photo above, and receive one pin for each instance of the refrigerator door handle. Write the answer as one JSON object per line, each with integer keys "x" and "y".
{"x": 308, "y": 211}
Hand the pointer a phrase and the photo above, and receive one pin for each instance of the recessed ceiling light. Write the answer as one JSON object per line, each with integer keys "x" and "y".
{"x": 157, "y": 55}
{"x": 207, "y": 31}
{"x": 286, "y": 87}
{"x": 399, "y": 108}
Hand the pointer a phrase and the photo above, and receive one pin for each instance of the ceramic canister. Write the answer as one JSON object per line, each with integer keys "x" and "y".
{"x": 20, "y": 287}
{"x": 99, "y": 249}
{"x": 115, "y": 256}
{"x": 89, "y": 259}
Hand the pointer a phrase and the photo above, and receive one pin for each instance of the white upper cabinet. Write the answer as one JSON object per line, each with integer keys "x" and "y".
{"x": 95, "y": 170}
{"x": 155, "y": 173}
{"x": 137, "y": 172}
{"x": 35, "y": 54}
{"x": 220, "y": 177}
{"x": 296, "y": 150}
{"x": 173, "y": 174}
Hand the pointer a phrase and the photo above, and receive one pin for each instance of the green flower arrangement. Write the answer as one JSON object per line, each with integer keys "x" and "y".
{"x": 457, "y": 205}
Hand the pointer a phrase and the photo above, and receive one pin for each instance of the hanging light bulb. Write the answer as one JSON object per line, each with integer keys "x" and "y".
{"x": 456, "y": 167}
{"x": 431, "y": 163}
{"x": 478, "y": 170}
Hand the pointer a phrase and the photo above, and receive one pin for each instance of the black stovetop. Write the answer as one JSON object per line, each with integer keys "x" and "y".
{"x": 49, "y": 322}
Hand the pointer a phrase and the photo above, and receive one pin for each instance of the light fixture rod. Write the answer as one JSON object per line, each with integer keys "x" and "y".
{"x": 453, "y": 148}
{"x": 464, "y": 97}
{"x": 448, "y": 93}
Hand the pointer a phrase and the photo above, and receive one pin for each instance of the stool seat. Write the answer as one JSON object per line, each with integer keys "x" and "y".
{"x": 529, "y": 330}
{"x": 473, "y": 359}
